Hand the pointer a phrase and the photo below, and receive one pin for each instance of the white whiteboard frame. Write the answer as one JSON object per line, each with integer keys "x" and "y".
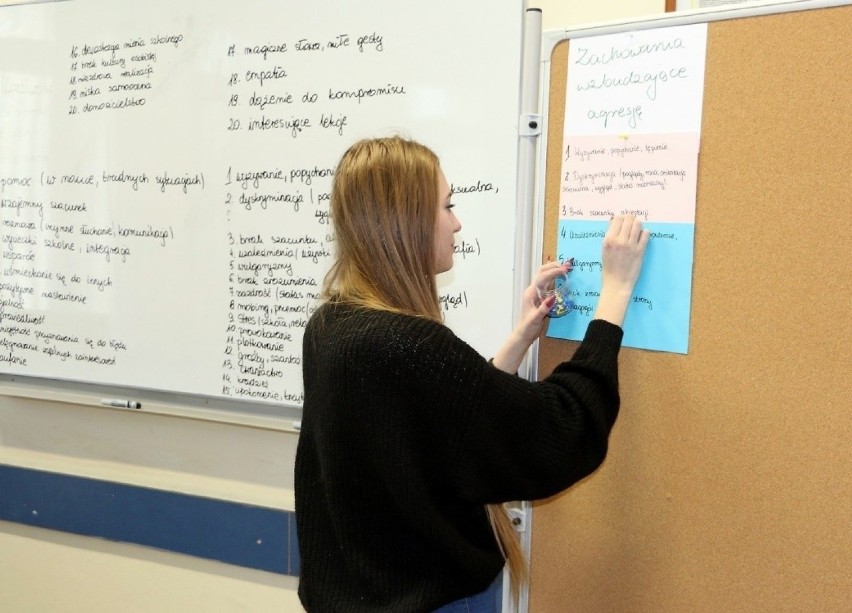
{"x": 283, "y": 416}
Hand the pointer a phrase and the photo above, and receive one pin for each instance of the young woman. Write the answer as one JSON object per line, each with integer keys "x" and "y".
{"x": 411, "y": 441}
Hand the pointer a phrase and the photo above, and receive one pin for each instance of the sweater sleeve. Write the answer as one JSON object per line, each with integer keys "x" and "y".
{"x": 518, "y": 440}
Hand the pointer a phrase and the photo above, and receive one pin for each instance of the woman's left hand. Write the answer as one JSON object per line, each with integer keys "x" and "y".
{"x": 533, "y": 309}
{"x": 531, "y": 321}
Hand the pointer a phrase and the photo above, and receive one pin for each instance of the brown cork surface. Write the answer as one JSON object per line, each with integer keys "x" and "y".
{"x": 727, "y": 484}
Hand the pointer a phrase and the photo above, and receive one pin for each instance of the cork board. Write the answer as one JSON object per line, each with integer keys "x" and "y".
{"x": 727, "y": 484}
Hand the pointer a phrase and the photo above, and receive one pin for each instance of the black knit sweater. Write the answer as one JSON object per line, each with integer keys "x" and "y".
{"x": 407, "y": 433}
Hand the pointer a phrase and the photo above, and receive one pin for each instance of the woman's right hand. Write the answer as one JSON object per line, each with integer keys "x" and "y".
{"x": 623, "y": 253}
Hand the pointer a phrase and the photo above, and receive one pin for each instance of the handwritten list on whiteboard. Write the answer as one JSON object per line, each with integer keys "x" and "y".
{"x": 165, "y": 175}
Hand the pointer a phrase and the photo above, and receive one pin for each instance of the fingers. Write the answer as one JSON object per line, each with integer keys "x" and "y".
{"x": 539, "y": 315}
{"x": 551, "y": 270}
{"x": 635, "y": 231}
{"x": 623, "y": 253}
{"x": 616, "y": 224}
{"x": 644, "y": 237}
{"x": 626, "y": 229}
{"x": 544, "y": 308}
{"x": 547, "y": 266}
{"x": 546, "y": 278}
{"x": 532, "y": 320}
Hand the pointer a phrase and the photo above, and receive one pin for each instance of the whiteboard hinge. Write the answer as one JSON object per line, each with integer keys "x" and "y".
{"x": 518, "y": 518}
{"x": 530, "y": 124}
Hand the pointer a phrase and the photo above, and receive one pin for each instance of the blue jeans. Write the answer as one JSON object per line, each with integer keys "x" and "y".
{"x": 489, "y": 601}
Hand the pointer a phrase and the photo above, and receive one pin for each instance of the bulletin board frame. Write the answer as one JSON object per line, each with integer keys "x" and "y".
{"x": 726, "y": 486}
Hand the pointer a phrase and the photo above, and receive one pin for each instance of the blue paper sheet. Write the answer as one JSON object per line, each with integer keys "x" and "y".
{"x": 658, "y": 315}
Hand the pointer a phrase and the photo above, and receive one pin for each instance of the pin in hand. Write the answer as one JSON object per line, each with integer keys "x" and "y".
{"x": 557, "y": 290}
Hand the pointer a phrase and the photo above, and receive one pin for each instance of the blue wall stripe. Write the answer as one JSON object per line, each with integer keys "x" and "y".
{"x": 239, "y": 534}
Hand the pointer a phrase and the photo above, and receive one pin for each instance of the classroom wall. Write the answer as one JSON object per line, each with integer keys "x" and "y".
{"x": 45, "y": 570}
{"x": 561, "y": 14}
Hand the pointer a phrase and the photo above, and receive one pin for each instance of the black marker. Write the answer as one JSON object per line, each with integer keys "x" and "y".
{"x": 121, "y": 404}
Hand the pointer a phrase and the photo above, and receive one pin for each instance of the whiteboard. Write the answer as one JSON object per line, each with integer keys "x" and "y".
{"x": 165, "y": 170}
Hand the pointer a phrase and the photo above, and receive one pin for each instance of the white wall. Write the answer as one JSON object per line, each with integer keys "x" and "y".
{"x": 42, "y": 570}
{"x": 559, "y": 14}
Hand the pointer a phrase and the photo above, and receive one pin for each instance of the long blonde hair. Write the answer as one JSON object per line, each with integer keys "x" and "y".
{"x": 383, "y": 207}
{"x": 384, "y": 201}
